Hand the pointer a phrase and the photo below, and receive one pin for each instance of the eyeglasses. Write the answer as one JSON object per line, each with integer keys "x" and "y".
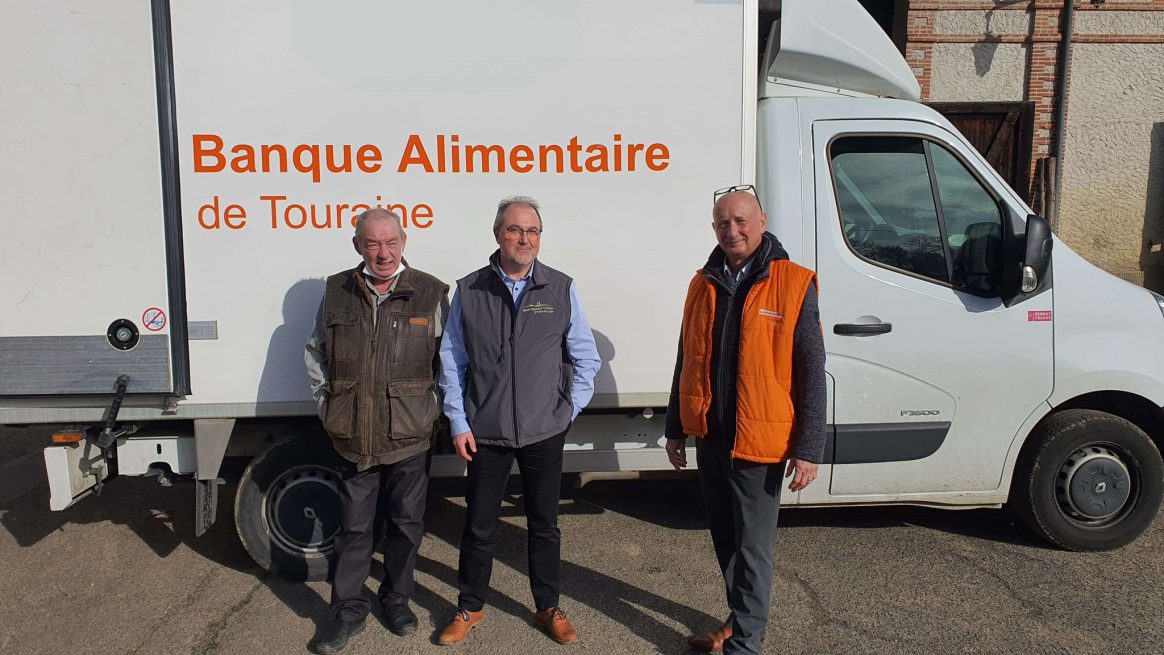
{"x": 747, "y": 188}
{"x": 513, "y": 233}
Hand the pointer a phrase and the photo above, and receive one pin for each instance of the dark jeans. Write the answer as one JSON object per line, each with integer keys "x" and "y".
{"x": 540, "y": 465}
{"x": 742, "y": 500}
{"x": 395, "y": 493}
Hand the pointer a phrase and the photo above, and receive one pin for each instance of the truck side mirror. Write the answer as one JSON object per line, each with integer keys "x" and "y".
{"x": 1037, "y": 258}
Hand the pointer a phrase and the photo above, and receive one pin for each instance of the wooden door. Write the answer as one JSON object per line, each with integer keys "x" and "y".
{"x": 1001, "y": 131}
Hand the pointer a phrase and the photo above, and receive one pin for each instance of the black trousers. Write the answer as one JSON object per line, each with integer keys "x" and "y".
{"x": 743, "y": 502}
{"x": 396, "y": 494}
{"x": 540, "y": 465}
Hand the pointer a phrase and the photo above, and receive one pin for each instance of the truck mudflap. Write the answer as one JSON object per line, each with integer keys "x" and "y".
{"x": 74, "y": 471}
{"x": 205, "y": 505}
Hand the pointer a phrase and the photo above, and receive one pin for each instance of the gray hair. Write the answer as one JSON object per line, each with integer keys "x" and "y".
{"x": 522, "y": 201}
{"x": 378, "y": 213}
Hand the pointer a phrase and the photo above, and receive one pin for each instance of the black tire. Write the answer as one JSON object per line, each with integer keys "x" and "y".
{"x": 1089, "y": 481}
{"x": 287, "y": 509}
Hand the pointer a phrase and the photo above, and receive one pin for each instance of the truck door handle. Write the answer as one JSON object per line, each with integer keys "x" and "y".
{"x": 861, "y": 329}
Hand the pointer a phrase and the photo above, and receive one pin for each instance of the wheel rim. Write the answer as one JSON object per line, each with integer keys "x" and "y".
{"x": 1097, "y": 485}
{"x": 302, "y": 510}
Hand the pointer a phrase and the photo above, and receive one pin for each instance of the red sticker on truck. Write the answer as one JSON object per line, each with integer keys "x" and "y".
{"x": 1037, "y": 316}
{"x": 154, "y": 319}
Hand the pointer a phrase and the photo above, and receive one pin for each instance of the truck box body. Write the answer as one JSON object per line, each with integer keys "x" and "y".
{"x": 622, "y": 128}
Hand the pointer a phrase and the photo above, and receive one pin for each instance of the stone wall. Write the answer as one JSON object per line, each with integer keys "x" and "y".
{"x": 1112, "y": 206}
{"x": 984, "y": 71}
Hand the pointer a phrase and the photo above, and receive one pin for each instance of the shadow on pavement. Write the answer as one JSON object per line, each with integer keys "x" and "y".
{"x": 674, "y": 503}
{"x": 678, "y": 504}
{"x": 162, "y": 517}
{"x": 620, "y": 601}
{"x": 996, "y": 525}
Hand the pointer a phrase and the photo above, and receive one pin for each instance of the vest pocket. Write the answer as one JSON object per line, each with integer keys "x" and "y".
{"x": 339, "y": 418}
{"x": 344, "y": 336}
{"x": 566, "y": 383}
{"x": 418, "y": 326}
{"x": 414, "y": 338}
{"x": 412, "y": 408}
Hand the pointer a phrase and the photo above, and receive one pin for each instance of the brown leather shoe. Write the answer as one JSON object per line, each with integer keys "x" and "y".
{"x": 711, "y": 642}
{"x": 459, "y": 627}
{"x": 555, "y": 623}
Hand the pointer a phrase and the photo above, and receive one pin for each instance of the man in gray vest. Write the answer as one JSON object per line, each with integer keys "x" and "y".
{"x": 372, "y": 359}
{"x": 517, "y": 365}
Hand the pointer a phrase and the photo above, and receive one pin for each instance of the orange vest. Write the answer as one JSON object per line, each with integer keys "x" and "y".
{"x": 764, "y": 410}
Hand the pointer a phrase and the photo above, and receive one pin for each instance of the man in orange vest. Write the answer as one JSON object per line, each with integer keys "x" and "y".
{"x": 750, "y": 385}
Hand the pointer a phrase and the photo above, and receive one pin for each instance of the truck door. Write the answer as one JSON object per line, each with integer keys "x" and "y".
{"x": 86, "y": 292}
{"x": 934, "y": 373}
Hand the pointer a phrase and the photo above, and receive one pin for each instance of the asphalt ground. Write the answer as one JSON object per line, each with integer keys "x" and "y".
{"x": 123, "y": 573}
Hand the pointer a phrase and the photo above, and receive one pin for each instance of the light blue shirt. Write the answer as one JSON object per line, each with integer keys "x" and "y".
{"x": 580, "y": 348}
{"x": 733, "y": 279}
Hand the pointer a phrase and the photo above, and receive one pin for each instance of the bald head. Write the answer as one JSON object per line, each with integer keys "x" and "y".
{"x": 739, "y": 226}
{"x": 736, "y": 202}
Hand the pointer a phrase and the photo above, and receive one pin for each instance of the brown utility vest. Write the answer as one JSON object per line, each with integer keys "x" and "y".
{"x": 380, "y": 395}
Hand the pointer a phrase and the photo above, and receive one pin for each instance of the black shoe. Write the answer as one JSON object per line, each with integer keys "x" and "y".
{"x": 334, "y": 640}
{"x": 400, "y": 619}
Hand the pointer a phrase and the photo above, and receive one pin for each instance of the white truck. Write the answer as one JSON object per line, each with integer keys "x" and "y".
{"x": 179, "y": 179}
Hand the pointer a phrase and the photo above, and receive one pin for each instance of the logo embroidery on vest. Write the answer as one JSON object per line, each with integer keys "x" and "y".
{"x": 771, "y": 314}
{"x": 538, "y": 308}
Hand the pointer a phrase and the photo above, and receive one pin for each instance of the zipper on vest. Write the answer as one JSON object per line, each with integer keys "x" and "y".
{"x": 513, "y": 370}
{"x": 512, "y": 306}
{"x": 719, "y": 374}
{"x": 715, "y": 282}
{"x": 369, "y": 380}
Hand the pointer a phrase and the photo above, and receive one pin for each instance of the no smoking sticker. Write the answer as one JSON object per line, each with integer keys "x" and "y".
{"x": 153, "y": 319}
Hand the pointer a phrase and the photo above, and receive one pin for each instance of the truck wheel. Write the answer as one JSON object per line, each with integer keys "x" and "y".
{"x": 287, "y": 509}
{"x": 1092, "y": 481}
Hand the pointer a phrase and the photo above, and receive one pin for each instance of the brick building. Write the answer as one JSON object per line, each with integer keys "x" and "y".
{"x": 994, "y": 56}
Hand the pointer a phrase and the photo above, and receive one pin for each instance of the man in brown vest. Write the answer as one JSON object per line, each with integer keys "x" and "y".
{"x": 372, "y": 360}
{"x": 750, "y": 385}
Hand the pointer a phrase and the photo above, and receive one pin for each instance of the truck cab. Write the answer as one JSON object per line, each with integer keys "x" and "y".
{"x": 964, "y": 360}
